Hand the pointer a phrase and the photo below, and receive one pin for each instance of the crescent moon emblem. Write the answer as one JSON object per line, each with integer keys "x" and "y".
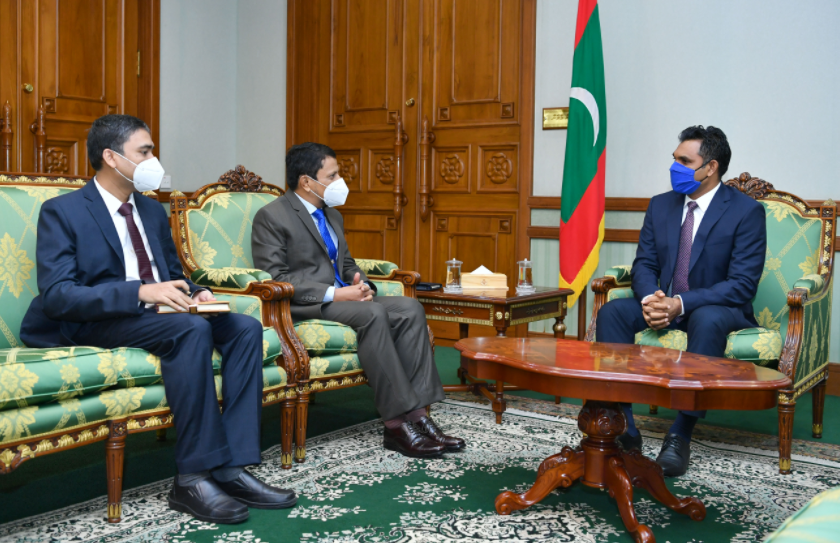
{"x": 586, "y": 98}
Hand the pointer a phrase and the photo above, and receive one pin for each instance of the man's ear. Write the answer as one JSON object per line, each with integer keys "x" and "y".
{"x": 109, "y": 158}
{"x": 714, "y": 165}
{"x": 301, "y": 178}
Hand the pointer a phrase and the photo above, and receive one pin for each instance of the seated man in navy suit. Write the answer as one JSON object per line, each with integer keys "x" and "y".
{"x": 105, "y": 257}
{"x": 700, "y": 257}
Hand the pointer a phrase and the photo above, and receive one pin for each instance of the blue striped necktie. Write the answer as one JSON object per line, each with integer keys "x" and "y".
{"x": 680, "y": 284}
{"x": 331, "y": 249}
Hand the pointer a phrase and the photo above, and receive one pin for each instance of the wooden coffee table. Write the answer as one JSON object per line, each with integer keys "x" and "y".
{"x": 605, "y": 374}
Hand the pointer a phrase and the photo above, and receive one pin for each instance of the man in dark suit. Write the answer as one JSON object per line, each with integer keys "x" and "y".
{"x": 105, "y": 257}
{"x": 700, "y": 257}
{"x": 299, "y": 239}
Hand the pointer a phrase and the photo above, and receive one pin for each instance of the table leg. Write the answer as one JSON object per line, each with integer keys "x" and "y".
{"x": 463, "y": 329}
{"x": 559, "y": 328}
{"x": 599, "y": 463}
{"x": 499, "y": 403}
{"x": 559, "y": 470}
{"x": 501, "y": 330}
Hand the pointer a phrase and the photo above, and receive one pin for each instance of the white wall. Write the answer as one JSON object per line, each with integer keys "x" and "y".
{"x": 223, "y": 89}
{"x": 261, "y": 88}
{"x": 197, "y": 90}
{"x": 764, "y": 71}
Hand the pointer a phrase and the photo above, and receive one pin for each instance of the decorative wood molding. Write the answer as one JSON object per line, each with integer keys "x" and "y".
{"x": 610, "y": 234}
{"x": 611, "y": 203}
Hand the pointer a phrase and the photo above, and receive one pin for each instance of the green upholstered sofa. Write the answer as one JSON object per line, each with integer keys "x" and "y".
{"x": 817, "y": 522}
{"x": 792, "y": 305}
{"x": 213, "y": 236}
{"x": 57, "y": 399}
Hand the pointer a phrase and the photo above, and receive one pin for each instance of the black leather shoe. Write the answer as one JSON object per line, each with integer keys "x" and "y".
{"x": 252, "y": 492}
{"x": 674, "y": 455}
{"x": 628, "y": 442}
{"x": 430, "y": 429}
{"x": 204, "y": 500}
{"x": 409, "y": 441}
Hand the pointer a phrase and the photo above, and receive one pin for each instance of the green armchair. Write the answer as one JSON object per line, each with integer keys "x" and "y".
{"x": 792, "y": 305}
{"x": 213, "y": 236}
{"x": 53, "y": 400}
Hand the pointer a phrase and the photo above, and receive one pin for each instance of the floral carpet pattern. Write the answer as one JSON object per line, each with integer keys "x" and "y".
{"x": 353, "y": 490}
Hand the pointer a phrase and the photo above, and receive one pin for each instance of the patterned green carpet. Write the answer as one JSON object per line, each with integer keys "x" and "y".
{"x": 354, "y": 490}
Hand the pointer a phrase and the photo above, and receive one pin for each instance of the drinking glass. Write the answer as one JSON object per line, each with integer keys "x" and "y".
{"x": 524, "y": 281}
{"x": 453, "y": 276}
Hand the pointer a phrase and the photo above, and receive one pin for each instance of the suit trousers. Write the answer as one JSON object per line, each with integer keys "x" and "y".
{"x": 394, "y": 351}
{"x": 207, "y": 439}
{"x": 706, "y": 327}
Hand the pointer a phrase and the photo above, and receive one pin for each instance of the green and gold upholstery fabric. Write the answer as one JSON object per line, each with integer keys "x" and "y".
{"x": 389, "y": 288}
{"x": 220, "y": 231}
{"x": 757, "y": 345}
{"x": 19, "y": 209}
{"x": 324, "y": 338}
{"x": 621, "y": 274}
{"x": 376, "y": 268}
{"x": 232, "y": 278}
{"x": 620, "y": 292}
{"x": 818, "y": 521}
{"x": 333, "y": 365}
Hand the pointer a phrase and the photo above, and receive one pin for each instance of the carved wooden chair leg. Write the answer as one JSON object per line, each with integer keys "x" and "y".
{"x": 428, "y": 410}
{"x": 620, "y": 488}
{"x": 114, "y": 462}
{"x": 301, "y": 418}
{"x": 462, "y": 375}
{"x": 654, "y": 409}
{"x": 160, "y": 434}
{"x": 499, "y": 403}
{"x": 818, "y": 398}
{"x": 785, "y": 435}
{"x": 287, "y": 429}
{"x": 557, "y": 400}
{"x": 559, "y": 470}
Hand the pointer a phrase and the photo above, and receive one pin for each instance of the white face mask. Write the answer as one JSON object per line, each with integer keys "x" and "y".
{"x": 335, "y": 194}
{"x": 147, "y": 175}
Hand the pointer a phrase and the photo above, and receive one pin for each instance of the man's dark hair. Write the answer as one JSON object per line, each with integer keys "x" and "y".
{"x": 713, "y": 146}
{"x": 305, "y": 159}
{"x": 111, "y": 132}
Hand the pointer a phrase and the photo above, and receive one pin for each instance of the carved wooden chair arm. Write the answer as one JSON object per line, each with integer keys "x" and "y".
{"x": 409, "y": 280}
{"x": 601, "y": 287}
{"x": 810, "y": 296}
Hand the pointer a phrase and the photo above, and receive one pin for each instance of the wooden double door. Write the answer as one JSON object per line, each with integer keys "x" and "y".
{"x": 429, "y": 107}
{"x": 63, "y": 64}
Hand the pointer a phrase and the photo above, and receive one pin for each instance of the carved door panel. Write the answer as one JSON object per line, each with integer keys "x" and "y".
{"x": 64, "y": 63}
{"x": 360, "y": 92}
{"x": 472, "y": 168}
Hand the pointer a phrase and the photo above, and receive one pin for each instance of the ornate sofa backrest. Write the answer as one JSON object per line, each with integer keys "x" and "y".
{"x": 213, "y": 226}
{"x": 800, "y": 251}
{"x": 21, "y": 197}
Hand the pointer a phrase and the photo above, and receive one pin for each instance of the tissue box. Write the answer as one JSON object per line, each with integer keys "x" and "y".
{"x": 483, "y": 281}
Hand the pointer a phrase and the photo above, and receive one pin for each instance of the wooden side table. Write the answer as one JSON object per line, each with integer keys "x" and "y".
{"x": 500, "y": 313}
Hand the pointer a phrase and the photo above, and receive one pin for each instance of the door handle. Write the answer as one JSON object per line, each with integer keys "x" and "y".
{"x": 427, "y": 137}
{"x": 400, "y": 139}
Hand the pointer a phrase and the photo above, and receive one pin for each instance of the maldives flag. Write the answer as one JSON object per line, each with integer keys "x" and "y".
{"x": 582, "y": 203}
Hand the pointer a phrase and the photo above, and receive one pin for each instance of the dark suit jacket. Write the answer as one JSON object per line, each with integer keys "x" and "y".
{"x": 81, "y": 267}
{"x": 286, "y": 243}
{"x": 727, "y": 257}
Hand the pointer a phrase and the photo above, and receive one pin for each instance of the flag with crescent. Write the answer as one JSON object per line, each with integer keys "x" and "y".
{"x": 582, "y": 196}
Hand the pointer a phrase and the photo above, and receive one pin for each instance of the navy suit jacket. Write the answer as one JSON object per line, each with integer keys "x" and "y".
{"x": 81, "y": 267}
{"x": 727, "y": 256}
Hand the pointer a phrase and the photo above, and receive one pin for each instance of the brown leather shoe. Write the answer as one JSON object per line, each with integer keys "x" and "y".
{"x": 409, "y": 441}
{"x": 430, "y": 429}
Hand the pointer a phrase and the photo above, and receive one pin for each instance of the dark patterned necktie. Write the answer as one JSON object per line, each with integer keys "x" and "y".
{"x": 680, "y": 284}
{"x": 331, "y": 248}
{"x": 143, "y": 262}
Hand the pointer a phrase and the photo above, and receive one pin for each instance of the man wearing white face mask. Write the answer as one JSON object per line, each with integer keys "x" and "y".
{"x": 105, "y": 256}
{"x": 299, "y": 239}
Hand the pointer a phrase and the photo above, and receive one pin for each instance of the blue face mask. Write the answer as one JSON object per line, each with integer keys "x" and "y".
{"x": 682, "y": 178}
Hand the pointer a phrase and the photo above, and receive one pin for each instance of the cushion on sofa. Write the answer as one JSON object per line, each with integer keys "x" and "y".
{"x": 323, "y": 338}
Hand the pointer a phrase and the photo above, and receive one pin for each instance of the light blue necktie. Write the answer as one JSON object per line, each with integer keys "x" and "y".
{"x": 331, "y": 249}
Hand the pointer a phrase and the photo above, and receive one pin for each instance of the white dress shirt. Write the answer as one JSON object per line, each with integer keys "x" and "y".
{"x": 330, "y": 294}
{"x": 703, "y": 203}
{"x": 132, "y": 268}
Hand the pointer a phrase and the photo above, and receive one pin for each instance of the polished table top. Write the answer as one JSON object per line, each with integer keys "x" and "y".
{"x": 604, "y": 364}
{"x": 509, "y": 297}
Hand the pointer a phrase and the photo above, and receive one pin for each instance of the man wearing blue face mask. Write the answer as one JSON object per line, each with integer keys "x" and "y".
{"x": 105, "y": 258}
{"x": 700, "y": 257}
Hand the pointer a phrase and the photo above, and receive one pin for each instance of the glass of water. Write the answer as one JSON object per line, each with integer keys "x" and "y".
{"x": 453, "y": 276}
{"x": 525, "y": 281}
